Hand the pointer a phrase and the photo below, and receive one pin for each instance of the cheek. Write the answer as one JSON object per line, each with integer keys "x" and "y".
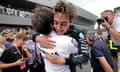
{"x": 65, "y": 30}
{"x": 110, "y": 20}
{"x": 20, "y": 42}
{"x": 67, "y": 27}
{"x": 54, "y": 25}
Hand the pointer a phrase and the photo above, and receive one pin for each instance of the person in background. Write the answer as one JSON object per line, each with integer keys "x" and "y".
{"x": 25, "y": 30}
{"x": 112, "y": 25}
{"x": 3, "y": 39}
{"x": 36, "y": 64}
{"x": 101, "y": 60}
{"x": 14, "y": 58}
{"x": 10, "y": 39}
{"x": 28, "y": 31}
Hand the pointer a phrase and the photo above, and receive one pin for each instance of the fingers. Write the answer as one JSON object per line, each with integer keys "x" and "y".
{"x": 51, "y": 41}
{"x": 20, "y": 62}
{"x": 25, "y": 47}
{"x": 48, "y": 43}
{"x": 105, "y": 23}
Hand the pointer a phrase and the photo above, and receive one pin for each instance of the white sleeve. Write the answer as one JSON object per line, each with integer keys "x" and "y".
{"x": 118, "y": 28}
{"x": 118, "y": 25}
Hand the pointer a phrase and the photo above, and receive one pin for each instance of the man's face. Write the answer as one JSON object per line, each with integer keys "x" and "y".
{"x": 61, "y": 23}
{"x": 4, "y": 38}
{"x": 110, "y": 16}
{"x": 21, "y": 41}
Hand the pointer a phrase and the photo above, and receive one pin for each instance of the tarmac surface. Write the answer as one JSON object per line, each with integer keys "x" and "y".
{"x": 85, "y": 68}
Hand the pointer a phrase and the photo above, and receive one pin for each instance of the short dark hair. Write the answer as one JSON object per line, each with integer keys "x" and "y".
{"x": 107, "y": 11}
{"x": 27, "y": 27}
{"x": 42, "y": 20}
{"x": 66, "y": 8}
{"x": 4, "y": 33}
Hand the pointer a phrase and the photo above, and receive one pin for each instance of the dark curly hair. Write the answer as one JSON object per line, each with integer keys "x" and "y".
{"x": 42, "y": 20}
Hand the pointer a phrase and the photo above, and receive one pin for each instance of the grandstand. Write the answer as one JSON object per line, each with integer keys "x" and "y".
{"x": 17, "y": 13}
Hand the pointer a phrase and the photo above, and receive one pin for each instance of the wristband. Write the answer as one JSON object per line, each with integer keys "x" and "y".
{"x": 67, "y": 61}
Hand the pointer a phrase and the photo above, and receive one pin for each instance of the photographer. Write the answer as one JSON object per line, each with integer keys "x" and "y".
{"x": 113, "y": 28}
{"x": 101, "y": 60}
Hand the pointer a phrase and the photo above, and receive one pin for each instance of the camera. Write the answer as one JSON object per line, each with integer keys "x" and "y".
{"x": 101, "y": 20}
{"x": 77, "y": 59}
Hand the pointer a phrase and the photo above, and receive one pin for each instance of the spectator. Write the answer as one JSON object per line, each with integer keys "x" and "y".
{"x": 101, "y": 60}
{"x": 113, "y": 28}
{"x": 36, "y": 64}
{"x": 10, "y": 39}
{"x": 12, "y": 59}
{"x": 3, "y": 39}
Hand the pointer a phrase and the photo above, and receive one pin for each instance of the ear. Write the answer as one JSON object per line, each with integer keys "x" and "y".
{"x": 51, "y": 25}
{"x": 91, "y": 37}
